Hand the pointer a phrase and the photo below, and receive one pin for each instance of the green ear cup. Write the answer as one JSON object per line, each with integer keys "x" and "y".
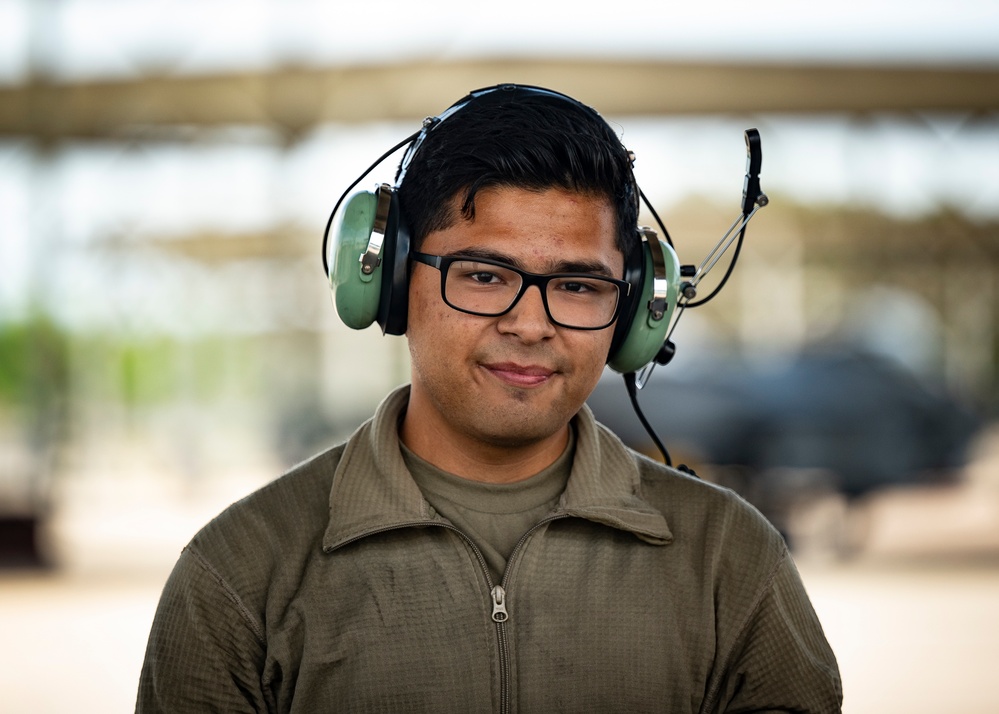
{"x": 355, "y": 295}
{"x": 646, "y": 333}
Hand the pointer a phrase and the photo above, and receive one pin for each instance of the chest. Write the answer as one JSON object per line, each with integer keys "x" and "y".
{"x": 403, "y": 621}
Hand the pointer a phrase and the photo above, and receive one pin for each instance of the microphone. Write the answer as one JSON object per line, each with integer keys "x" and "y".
{"x": 752, "y": 195}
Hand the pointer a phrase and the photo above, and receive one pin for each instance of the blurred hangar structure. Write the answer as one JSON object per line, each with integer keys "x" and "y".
{"x": 288, "y": 102}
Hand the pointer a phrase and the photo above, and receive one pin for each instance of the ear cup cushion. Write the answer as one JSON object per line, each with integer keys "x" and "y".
{"x": 355, "y": 295}
{"x": 634, "y": 275}
{"x": 645, "y": 334}
{"x": 393, "y": 306}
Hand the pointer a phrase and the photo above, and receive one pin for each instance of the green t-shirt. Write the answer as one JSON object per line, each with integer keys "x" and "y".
{"x": 494, "y": 515}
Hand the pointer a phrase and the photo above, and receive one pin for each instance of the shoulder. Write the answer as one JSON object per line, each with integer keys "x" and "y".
{"x": 704, "y": 519}
{"x": 682, "y": 495}
{"x": 276, "y": 528}
{"x": 765, "y": 620}
{"x": 295, "y": 499}
{"x": 216, "y": 605}
{"x": 712, "y": 520}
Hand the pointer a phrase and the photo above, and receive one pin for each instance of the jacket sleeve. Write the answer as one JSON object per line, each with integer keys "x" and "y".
{"x": 783, "y": 662}
{"x": 205, "y": 651}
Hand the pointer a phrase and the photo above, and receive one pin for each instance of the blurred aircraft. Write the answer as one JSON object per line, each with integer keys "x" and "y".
{"x": 834, "y": 421}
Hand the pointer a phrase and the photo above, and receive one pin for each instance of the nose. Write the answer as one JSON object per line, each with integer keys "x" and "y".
{"x": 528, "y": 319}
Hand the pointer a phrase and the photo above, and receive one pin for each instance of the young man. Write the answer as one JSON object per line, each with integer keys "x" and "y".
{"x": 482, "y": 544}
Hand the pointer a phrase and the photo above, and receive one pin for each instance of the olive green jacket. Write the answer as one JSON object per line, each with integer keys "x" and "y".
{"x": 338, "y": 589}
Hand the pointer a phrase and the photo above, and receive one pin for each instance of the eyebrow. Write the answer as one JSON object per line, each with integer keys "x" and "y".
{"x": 589, "y": 267}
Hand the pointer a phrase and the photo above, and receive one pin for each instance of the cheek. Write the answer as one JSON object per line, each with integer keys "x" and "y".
{"x": 432, "y": 325}
{"x": 591, "y": 354}
{"x": 590, "y": 341}
{"x": 424, "y": 299}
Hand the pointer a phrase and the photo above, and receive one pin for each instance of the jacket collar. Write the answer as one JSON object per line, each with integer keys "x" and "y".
{"x": 373, "y": 491}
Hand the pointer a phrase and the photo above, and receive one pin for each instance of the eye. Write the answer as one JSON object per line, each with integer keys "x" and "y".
{"x": 583, "y": 287}
{"x": 475, "y": 274}
{"x": 484, "y": 277}
{"x": 576, "y": 286}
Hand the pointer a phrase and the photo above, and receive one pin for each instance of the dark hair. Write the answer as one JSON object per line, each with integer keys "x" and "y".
{"x": 517, "y": 138}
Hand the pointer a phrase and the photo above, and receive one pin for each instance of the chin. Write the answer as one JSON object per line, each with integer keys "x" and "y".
{"x": 519, "y": 432}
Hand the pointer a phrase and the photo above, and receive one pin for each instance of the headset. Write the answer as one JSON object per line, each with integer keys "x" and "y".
{"x": 368, "y": 265}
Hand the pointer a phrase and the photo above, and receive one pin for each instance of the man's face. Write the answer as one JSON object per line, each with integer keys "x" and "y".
{"x": 517, "y": 379}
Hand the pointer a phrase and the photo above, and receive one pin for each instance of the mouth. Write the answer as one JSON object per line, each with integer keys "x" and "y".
{"x": 519, "y": 375}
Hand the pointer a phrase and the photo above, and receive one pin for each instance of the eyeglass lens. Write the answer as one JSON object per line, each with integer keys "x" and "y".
{"x": 573, "y": 300}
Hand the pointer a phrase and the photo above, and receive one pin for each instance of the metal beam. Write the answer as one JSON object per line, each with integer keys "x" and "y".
{"x": 294, "y": 99}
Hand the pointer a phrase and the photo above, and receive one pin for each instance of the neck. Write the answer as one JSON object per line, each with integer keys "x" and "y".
{"x": 470, "y": 458}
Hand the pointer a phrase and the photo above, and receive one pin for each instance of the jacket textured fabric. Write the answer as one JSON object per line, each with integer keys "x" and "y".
{"x": 337, "y": 588}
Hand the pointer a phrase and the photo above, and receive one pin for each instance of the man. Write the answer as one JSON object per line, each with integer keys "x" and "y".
{"x": 482, "y": 544}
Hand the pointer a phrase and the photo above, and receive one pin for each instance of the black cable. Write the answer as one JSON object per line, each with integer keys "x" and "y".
{"x": 659, "y": 221}
{"x": 632, "y": 385}
{"x": 731, "y": 265}
{"x": 728, "y": 273}
{"x": 336, "y": 207}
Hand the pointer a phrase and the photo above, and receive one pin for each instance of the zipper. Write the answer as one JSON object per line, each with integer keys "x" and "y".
{"x": 523, "y": 539}
{"x": 501, "y": 616}
{"x": 499, "y": 604}
{"x": 497, "y": 593}
{"x": 497, "y": 597}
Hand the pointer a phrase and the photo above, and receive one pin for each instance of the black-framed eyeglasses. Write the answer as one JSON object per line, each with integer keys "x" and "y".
{"x": 489, "y": 288}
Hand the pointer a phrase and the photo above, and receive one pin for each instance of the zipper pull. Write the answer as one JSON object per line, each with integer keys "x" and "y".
{"x": 499, "y": 605}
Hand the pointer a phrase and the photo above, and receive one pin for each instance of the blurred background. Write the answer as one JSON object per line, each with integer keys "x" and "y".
{"x": 167, "y": 341}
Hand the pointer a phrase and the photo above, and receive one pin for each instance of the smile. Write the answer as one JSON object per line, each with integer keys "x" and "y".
{"x": 519, "y": 375}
